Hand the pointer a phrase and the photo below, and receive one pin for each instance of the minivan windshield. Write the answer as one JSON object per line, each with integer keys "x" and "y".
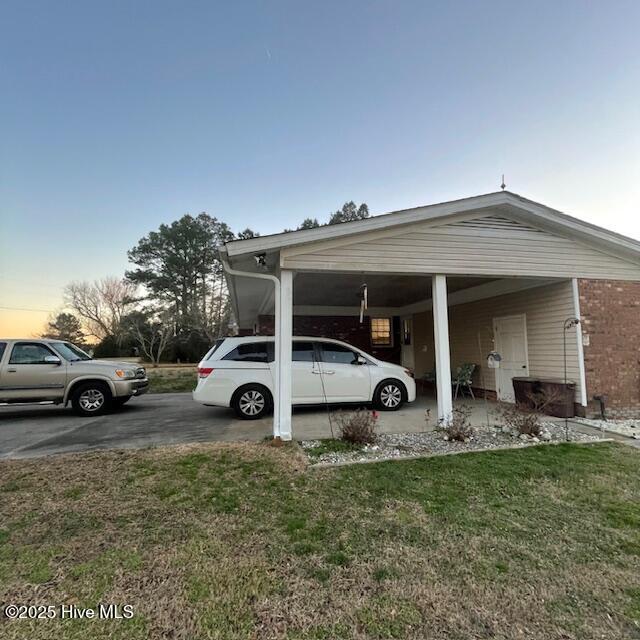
{"x": 70, "y": 352}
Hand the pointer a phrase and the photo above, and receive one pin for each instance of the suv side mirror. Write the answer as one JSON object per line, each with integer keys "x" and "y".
{"x": 52, "y": 360}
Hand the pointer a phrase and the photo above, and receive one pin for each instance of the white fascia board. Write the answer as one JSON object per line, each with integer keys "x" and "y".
{"x": 563, "y": 224}
{"x": 529, "y": 210}
{"x": 382, "y": 221}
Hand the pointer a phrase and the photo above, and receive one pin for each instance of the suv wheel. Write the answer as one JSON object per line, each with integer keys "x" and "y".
{"x": 91, "y": 399}
{"x": 389, "y": 395}
{"x": 252, "y": 402}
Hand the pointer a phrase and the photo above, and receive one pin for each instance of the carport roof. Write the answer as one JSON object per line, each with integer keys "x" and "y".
{"x": 256, "y": 295}
{"x": 518, "y": 206}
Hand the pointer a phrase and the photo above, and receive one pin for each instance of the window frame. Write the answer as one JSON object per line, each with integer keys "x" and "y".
{"x": 321, "y": 347}
{"x": 314, "y": 347}
{"x": 30, "y": 342}
{"x": 269, "y": 350}
{"x": 378, "y": 345}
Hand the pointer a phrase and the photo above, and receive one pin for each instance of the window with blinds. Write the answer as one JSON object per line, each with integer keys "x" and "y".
{"x": 381, "y": 334}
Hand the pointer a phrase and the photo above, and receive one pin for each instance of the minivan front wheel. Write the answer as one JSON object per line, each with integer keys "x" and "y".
{"x": 91, "y": 399}
{"x": 252, "y": 402}
{"x": 389, "y": 395}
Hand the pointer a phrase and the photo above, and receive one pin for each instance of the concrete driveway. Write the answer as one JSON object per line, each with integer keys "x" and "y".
{"x": 161, "y": 419}
{"x": 29, "y": 431}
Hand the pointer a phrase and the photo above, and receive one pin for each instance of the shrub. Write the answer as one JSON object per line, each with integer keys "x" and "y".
{"x": 524, "y": 419}
{"x": 458, "y": 427}
{"x": 541, "y": 402}
{"x": 521, "y": 420}
{"x": 357, "y": 427}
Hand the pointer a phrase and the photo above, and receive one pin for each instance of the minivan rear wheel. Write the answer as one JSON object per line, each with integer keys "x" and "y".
{"x": 251, "y": 402}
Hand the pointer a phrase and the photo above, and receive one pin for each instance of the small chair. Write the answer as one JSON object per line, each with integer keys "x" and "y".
{"x": 464, "y": 378}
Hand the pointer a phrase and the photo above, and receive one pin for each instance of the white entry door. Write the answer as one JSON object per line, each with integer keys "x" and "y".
{"x": 510, "y": 335}
{"x": 406, "y": 354}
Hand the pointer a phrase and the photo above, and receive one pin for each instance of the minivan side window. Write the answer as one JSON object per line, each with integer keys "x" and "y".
{"x": 337, "y": 354}
{"x": 3, "y": 347}
{"x": 303, "y": 352}
{"x": 251, "y": 352}
{"x": 213, "y": 349}
{"x": 29, "y": 353}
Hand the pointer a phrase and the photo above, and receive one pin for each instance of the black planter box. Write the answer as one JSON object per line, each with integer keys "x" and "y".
{"x": 564, "y": 392}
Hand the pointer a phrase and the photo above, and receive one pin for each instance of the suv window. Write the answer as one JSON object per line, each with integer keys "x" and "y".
{"x": 303, "y": 352}
{"x": 3, "y": 346}
{"x": 251, "y": 352}
{"x": 29, "y": 353}
{"x": 337, "y": 354}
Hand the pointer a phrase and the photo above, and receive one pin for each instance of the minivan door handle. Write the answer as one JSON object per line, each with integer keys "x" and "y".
{"x": 11, "y": 370}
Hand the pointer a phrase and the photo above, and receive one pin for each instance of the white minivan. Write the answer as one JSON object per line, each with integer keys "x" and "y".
{"x": 239, "y": 373}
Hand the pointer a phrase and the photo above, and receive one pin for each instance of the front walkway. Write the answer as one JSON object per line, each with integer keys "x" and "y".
{"x": 313, "y": 422}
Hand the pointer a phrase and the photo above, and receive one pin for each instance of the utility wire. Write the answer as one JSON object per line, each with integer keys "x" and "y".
{"x": 24, "y": 309}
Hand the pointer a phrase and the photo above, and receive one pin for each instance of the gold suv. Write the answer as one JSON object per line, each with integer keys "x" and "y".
{"x": 59, "y": 372}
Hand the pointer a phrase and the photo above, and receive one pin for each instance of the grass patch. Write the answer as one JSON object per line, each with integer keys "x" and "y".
{"x": 331, "y": 446}
{"x": 242, "y": 541}
{"x": 172, "y": 379}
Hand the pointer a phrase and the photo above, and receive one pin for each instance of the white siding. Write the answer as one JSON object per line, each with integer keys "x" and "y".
{"x": 487, "y": 245}
{"x": 471, "y": 333}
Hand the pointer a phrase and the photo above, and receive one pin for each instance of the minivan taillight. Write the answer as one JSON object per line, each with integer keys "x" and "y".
{"x": 203, "y": 372}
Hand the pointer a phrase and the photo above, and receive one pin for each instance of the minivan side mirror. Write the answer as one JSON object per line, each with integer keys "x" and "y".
{"x": 52, "y": 360}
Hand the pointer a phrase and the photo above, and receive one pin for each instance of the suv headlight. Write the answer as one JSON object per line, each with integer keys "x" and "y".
{"x": 125, "y": 373}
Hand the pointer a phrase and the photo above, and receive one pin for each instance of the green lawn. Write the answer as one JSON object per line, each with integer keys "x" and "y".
{"x": 167, "y": 379}
{"x": 243, "y": 541}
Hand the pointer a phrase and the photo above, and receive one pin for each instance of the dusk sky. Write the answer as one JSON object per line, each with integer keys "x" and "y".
{"x": 118, "y": 116}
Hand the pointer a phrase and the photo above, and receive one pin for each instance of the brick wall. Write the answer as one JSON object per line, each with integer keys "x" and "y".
{"x": 610, "y": 311}
{"x": 346, "y": 328}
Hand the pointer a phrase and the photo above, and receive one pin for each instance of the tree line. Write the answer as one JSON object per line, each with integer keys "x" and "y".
{"x": 173, "y": 301}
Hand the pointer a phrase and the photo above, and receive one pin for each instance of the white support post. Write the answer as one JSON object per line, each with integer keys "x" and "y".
{"x": 284, "y": 328}
{"x": 276, "y": 364}
{"x": 441, "y": 340}
{"x": 579, "y": 345}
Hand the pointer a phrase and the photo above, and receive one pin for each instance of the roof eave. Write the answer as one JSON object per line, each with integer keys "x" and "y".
{"x": 528, "y": 208}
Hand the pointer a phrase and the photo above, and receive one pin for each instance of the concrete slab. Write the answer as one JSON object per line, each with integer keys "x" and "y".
{"x": 172, "y": 418}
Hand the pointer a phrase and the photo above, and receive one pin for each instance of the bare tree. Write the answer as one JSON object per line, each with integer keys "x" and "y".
{"x": 152, "y": 332}
{"x": 101, "y": 304}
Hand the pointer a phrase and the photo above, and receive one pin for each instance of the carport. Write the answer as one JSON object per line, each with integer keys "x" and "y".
{"x": 461, "y": 278}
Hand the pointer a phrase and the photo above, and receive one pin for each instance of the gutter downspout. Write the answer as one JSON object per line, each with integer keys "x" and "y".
{"x": 276, "y": 347}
